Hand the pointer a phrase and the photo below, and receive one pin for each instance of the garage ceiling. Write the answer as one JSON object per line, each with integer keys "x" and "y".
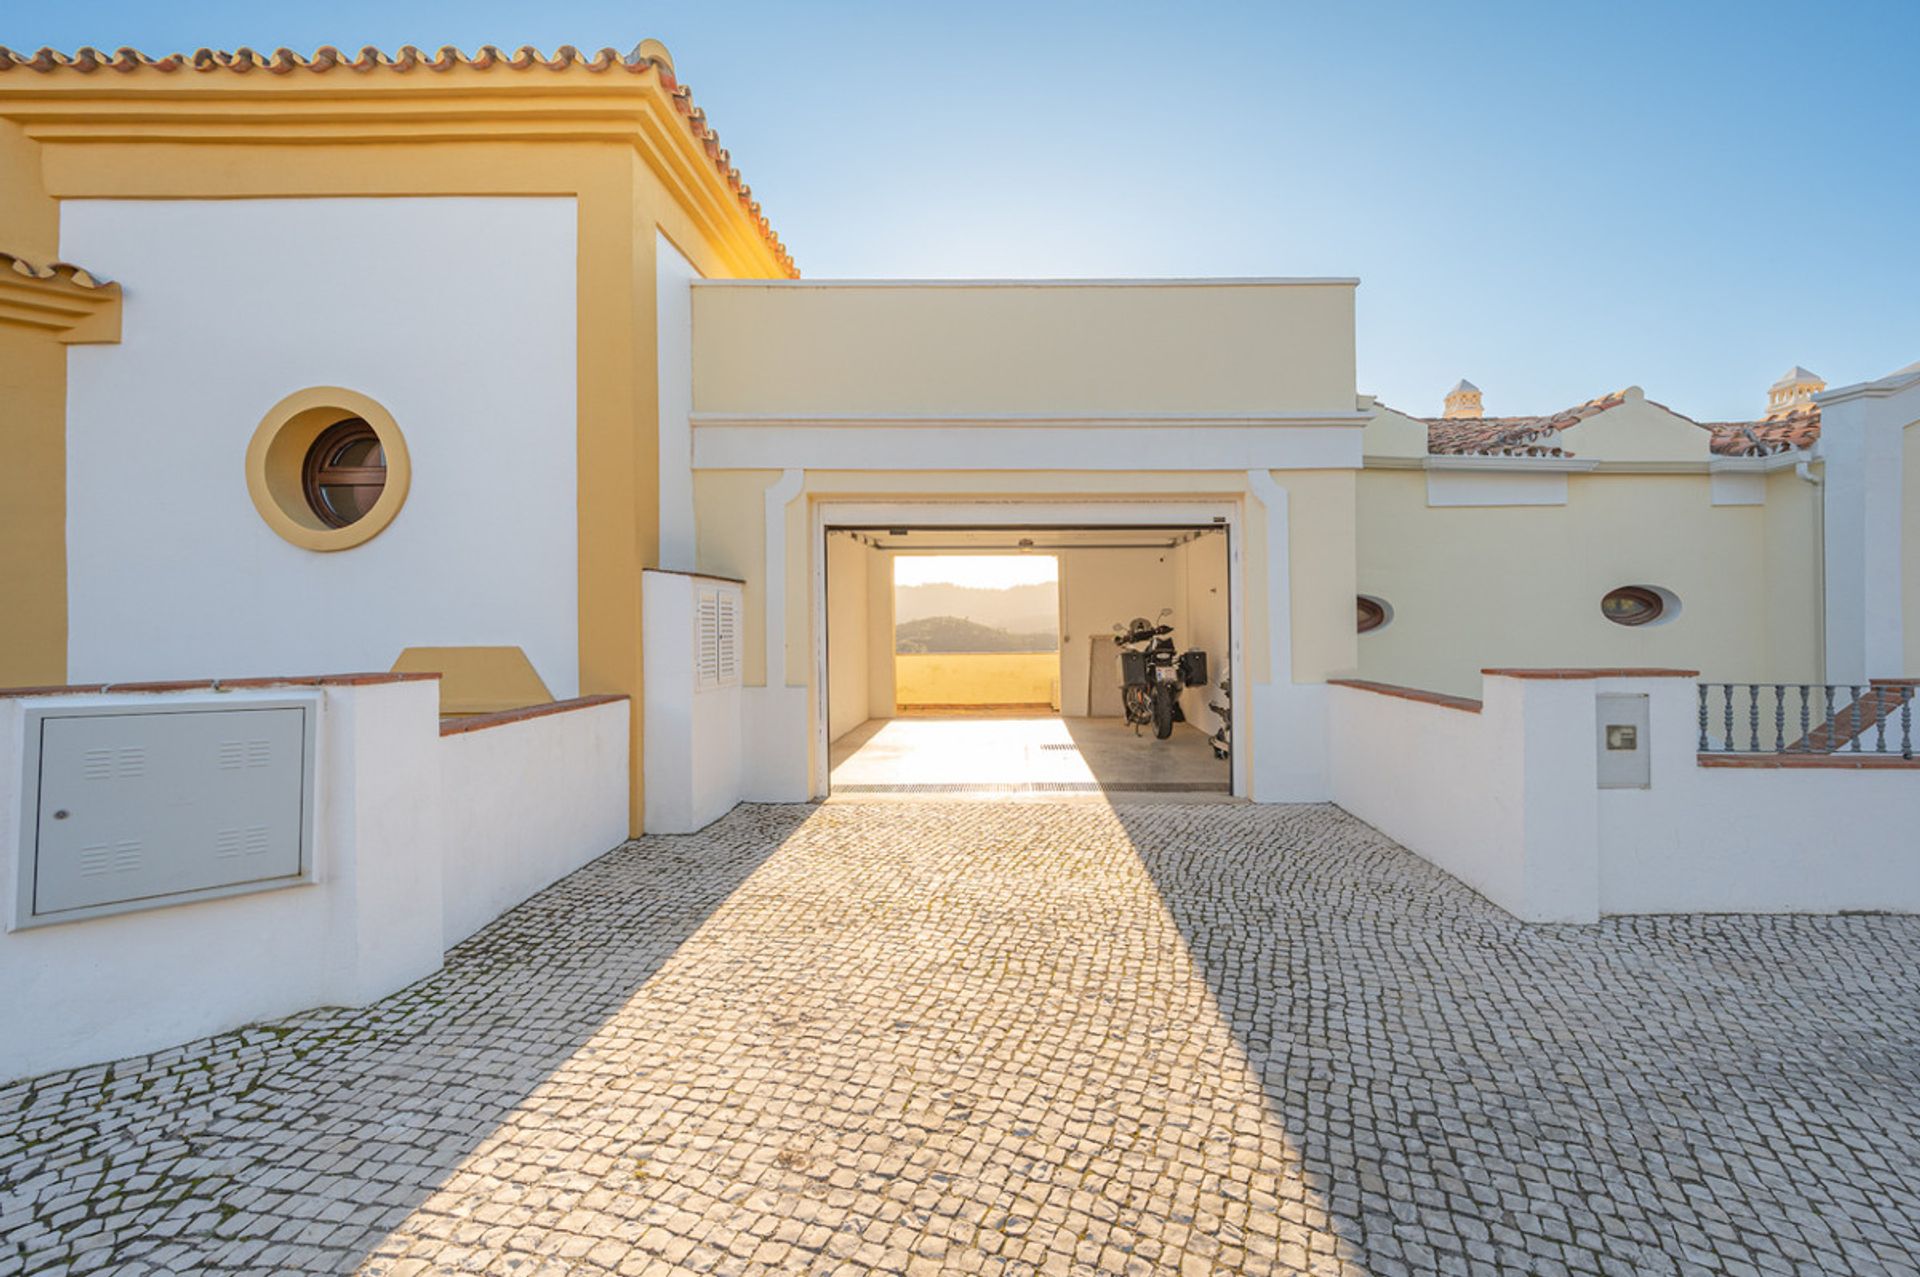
{"x": 979, "y": 540}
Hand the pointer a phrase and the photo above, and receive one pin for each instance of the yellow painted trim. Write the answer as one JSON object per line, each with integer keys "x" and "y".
{"x": 33, "y": 505}
{"x": 478, "y": 680}
{"x": 53, "y": 300}
{"x": 33, "y": 418}
{"x": 280, "y": 121}
{"x": 278, "y": 451}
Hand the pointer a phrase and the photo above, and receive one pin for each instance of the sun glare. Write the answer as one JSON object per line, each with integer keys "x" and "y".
{"x": 979, "y": 571}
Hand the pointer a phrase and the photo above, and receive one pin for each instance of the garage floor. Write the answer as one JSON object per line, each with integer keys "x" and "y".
{"x": 1046, "y": 756}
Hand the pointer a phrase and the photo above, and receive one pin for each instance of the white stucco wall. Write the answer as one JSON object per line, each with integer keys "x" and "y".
{"x": 80, "y": 992}
{"x": 1440, "y": 781}
{"x": 419, "y": 840}
{"x": 695, "y": 751}
{"x": 531, "y": 801}
{"x": 456, "y": 314}
{"x": 673, "y": 314}
{"x": 1763, "y": 840}
{"x": 1508, "y": 801}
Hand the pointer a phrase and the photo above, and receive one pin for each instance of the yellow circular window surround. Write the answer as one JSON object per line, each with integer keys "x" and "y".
{"x": 276, "y": 461}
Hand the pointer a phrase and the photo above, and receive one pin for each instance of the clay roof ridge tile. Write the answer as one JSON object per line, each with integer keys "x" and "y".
{"x": 78, "y": 276}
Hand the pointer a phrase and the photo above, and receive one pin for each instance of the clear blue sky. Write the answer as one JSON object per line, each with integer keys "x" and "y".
{"x": 1552, "y": 199}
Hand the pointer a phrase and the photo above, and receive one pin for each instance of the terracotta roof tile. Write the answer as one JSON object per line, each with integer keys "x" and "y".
{"x": 327, "y": 58}
{"x": 1798, "y": 429}
{"x": 1510, "y": 436}
{"x": 1538, "y": 436}
{"x": 66, "y": 272}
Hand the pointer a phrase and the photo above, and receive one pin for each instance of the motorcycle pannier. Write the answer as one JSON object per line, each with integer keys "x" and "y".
{"x": 1193, "y": 668}
{"x": 1133, "y": 669}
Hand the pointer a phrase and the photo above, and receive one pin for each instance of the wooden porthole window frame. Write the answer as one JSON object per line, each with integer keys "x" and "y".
{"x": 1371, "y": 614}
{"x": 1653, "y": 605}
{"x": 286, "y": 464}
{"x": 323, "y": 469}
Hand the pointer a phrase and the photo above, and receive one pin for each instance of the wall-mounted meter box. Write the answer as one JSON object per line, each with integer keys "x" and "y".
{"x": 136, "y": 805}
{"x": 1624, "y": 760}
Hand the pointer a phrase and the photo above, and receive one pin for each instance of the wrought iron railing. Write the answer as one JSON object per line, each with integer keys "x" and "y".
{"x": 1807, "y": 718}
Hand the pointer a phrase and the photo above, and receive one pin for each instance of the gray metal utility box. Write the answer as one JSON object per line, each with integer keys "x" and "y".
{"x": 1624, "y": 760}
{"x": 131, "y": 806}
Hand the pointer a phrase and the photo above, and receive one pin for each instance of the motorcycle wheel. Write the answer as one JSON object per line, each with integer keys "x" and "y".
{"x": 1162, "y": 712}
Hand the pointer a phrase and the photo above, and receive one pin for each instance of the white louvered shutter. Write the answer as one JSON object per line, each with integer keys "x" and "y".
{"x": 706, "y": 640}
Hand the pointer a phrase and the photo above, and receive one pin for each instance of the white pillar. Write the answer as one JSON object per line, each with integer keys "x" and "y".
{"x": 1863, "y": 438}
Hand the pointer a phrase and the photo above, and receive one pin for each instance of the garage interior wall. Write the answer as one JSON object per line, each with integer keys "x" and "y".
{"x": 1099, "y": 587}
{"x": 880, "y": 682}
{"x": 1201, "y": 619}
{"x": 851, "y": 568}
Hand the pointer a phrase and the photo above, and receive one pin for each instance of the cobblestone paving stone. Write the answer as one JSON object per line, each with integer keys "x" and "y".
{"x": 1014, "y": 1038}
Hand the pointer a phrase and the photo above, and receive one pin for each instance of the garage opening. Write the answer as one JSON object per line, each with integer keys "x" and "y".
{"x": 976, "y": 633}
{"x": 984, "y": 662}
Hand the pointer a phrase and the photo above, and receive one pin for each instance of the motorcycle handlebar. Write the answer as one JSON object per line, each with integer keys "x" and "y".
{"x": 1141, "y": 636}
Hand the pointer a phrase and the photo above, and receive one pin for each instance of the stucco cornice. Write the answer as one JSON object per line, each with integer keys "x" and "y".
{"x": 1171, "y": 420}
{"x": 254, "y": 100}
{"x": 1511, "y": 465}
{"x": 1884, "y": 388}
{"x": 58, "y": 299}
{"x": 1248, "y": 281}
{"x": 1763, "y": 464}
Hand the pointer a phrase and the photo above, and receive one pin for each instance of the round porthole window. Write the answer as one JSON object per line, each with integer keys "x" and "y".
{"x": 1635, "y": 605}
{"x": 1372, "y": 613}
{"x": 327, "y": 468}
{"x": 345, "y": 473}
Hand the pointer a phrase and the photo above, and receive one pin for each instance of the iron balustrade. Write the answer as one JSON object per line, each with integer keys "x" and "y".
{"x": 1807, "y": 718}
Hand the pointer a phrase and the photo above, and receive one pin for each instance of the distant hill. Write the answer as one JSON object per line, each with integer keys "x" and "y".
{"x": 1020, "y": 608}
{"x": 958, "y": 634}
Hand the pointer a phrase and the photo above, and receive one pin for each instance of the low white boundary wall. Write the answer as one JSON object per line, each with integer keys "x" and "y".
{"x": 419, "y": 840}
{"x": 1504, "y": 794}
{"x": 527, "y": 802}
{"x": 1756, "y": 839}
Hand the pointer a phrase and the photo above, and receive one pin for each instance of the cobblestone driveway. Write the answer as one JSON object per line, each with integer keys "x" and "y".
{"x": 1009, "y": 1038}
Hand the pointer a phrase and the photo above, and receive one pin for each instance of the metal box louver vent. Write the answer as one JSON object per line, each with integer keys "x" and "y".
{"x": 133, "y": 807}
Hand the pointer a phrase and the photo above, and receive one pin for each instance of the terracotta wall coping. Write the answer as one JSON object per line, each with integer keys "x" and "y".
{"x": 1893, "y": 682}
{"x": 1822, "y": 762}
{"x": 477, "y": 722}
{"x": 701, "y": 576}
{"x": 1570, "y": 674}
{"x": 1441, "y": 699}
{"x": 218, "y": 684}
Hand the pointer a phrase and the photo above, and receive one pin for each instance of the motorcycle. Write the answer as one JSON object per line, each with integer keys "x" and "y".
{"x": 1152, "y": 676}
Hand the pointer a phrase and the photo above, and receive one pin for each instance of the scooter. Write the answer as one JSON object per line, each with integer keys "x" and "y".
{"x": 1152, "y": 675}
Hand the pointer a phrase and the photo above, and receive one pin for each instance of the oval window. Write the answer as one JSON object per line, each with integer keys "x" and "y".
{"x": 345, "y": 472}
{"x": 1633, "y": 605}
{"x": 1372, "y": 613}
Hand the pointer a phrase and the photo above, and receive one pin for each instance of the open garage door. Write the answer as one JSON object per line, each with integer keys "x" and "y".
{"x": 981, "y": 661}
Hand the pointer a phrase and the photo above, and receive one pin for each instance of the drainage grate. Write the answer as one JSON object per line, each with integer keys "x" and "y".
{"x": 1046, "y": 787}
{"x": 1069, "y": 745}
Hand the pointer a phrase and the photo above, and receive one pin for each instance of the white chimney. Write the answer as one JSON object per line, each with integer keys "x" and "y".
{"x": 1793, "y": 392}
{"x": 1463, "y": 402}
